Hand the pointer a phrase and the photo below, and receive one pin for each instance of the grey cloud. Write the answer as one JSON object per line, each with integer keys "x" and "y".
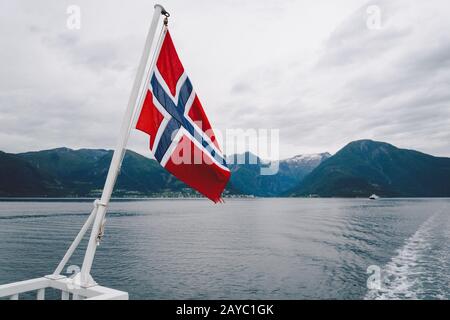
{"x": 387, "y": 84}
{"x": 241, "y": 88}
{"x": 257, "y": 67}
{"x": 99, "y": 55}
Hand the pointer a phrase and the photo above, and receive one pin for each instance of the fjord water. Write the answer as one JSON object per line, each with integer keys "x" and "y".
{"x": 243, "y": 249}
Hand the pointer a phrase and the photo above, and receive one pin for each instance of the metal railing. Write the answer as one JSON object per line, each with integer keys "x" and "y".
{"x": 67, "y": 286}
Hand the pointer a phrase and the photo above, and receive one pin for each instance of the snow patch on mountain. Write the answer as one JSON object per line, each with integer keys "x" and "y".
{"x": 305, "y": 158}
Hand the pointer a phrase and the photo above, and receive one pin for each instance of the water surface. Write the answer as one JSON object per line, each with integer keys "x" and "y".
{"x": 243, "y": 249}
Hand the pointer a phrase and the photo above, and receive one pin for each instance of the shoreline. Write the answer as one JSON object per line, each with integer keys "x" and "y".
{"x": 82, "y": 199}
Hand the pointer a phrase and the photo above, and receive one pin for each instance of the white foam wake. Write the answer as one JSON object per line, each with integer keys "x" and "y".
{"x": 401, "y": 277}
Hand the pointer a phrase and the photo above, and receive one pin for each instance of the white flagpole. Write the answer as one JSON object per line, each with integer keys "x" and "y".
{"x": 86, "y": 279}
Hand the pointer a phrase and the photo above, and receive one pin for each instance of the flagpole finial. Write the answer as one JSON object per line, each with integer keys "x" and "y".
{"x": 163, "y": 10}
{"x": 164, "y": 13}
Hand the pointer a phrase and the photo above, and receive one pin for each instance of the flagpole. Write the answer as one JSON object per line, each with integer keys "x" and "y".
{"x": 86, "y": 279}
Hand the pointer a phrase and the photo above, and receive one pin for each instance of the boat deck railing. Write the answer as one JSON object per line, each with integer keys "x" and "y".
{"x": 69, "y": 289}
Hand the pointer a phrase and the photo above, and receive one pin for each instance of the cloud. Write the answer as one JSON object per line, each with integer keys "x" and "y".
{"x": 388, "y": 84}
{"x": 314, "y": 71}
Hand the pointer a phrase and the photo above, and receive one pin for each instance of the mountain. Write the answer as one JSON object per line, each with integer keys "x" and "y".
{"x": 18, "y": 177}
{"x": 64, "y": 172}
{"x": 365, "y": 167}
{"x": 248, "y": 179}
{"x": 358, "y": 170}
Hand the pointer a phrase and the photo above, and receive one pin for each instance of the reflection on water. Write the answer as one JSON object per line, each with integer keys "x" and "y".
{"x": 244, "y": 249}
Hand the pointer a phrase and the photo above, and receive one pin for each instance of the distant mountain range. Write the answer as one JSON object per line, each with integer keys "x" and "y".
{"x": 65, "y": 172}
{"x": 248, "y": 180}
{"x": 365, "y": 167}
{"x": 358, "y": 170}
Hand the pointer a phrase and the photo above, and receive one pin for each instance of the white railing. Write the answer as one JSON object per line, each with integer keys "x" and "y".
{"x": 68, "y": 287}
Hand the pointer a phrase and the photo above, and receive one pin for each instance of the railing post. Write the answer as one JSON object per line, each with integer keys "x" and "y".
{"x": 40, "y": 294}
{"x": 65, "y": 295}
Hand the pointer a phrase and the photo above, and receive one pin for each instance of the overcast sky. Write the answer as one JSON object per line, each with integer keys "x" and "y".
{"x": 312, "y": 69}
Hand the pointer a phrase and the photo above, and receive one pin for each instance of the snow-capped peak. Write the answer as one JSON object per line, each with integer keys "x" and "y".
{"x": 309, "y": 157}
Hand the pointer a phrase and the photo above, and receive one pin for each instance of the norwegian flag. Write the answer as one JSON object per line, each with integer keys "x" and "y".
{"x": 181, "y": 137}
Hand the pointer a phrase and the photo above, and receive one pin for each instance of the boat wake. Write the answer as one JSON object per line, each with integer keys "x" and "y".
{"x": 420, "y": 268}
